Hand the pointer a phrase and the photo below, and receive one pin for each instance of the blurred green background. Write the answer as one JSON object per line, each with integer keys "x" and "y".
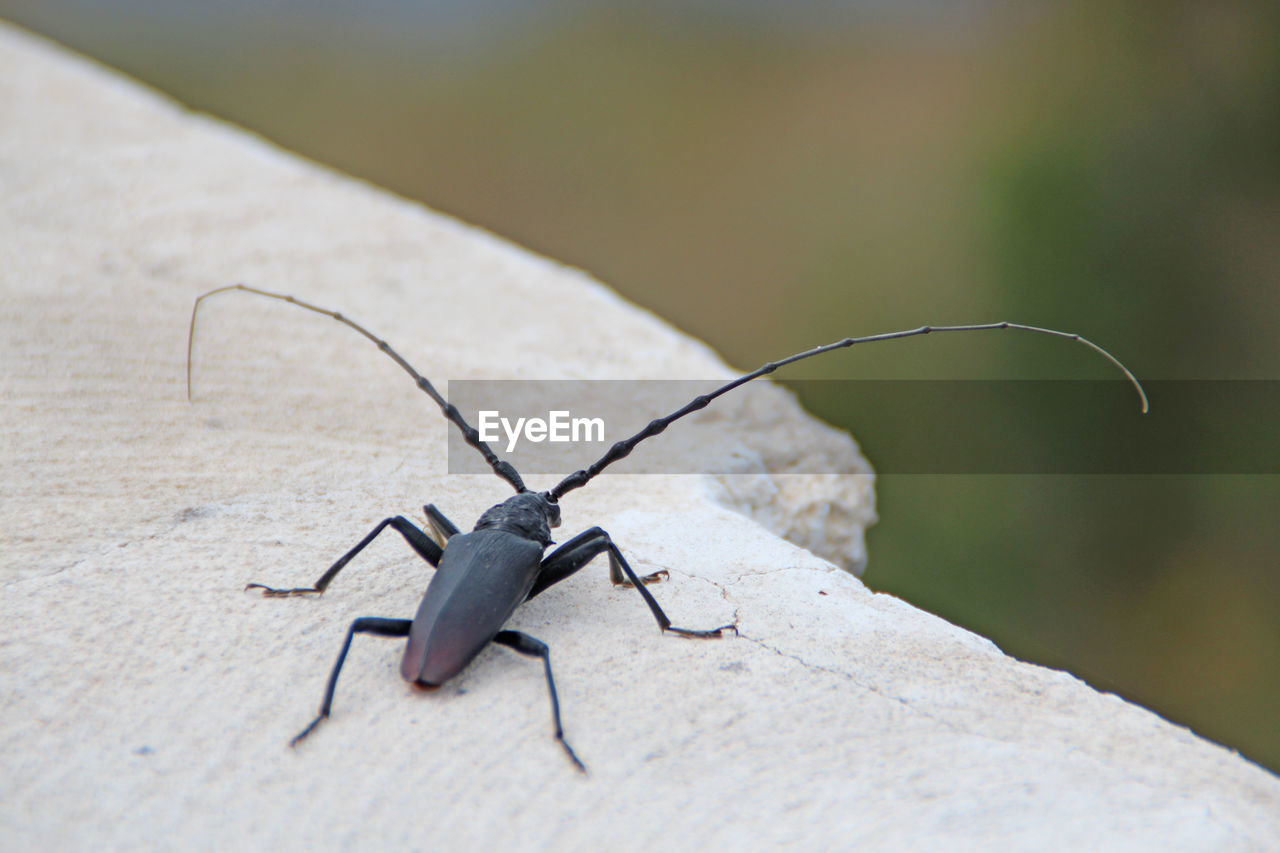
{"x": 770, "y": 176}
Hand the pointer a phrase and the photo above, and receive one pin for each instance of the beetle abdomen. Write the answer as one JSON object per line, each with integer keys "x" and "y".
{"x": 482, "y": 578}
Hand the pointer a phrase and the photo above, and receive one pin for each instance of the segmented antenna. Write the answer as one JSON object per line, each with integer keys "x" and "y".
{"x": 623, "y": 448}
{"x": 503, "y": 469}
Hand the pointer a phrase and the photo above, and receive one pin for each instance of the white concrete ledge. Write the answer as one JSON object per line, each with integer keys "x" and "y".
{"x": 147, "y": 700}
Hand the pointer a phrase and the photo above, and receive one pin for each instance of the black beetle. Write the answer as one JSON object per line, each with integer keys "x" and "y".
{"x": 482, "y": 576}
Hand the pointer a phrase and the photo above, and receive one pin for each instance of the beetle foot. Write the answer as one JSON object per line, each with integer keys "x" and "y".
{"x": 272, "y": 592}
{"x": 573, "y": 756}
{"x": 713, "y": 634}
{"x": 300, "y": 735}
{"x": 656, "y": 577}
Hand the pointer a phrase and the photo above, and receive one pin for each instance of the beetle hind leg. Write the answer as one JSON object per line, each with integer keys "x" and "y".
{"x": 533, "y": 647}
{"x": 364, "y": 625}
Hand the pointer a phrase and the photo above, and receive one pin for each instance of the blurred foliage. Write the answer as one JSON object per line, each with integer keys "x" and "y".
{"x": 1111, "y": 168}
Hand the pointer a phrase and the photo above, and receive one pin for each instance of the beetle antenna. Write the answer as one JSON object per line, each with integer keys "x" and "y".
{"x": 505, "y": 470}
{"x": 623, "y": 448}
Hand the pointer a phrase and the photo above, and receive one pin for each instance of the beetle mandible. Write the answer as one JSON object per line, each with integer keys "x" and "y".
{"x": 482, "y": 576}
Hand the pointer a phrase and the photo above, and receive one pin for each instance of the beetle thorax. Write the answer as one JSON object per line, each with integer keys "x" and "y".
{"x": 530, "y": 515}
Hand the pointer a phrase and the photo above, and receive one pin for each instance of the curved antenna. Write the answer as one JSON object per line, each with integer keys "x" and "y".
{"x": 623, "y": 448}
{"x": 503, "y": 469}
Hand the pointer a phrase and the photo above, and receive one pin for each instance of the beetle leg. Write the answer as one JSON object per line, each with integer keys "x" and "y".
{"x": 440, "y": 528}
{"x": 419, "y": 541}
{"x": 575, "y": 554}
{"x": 364, "y": 625}
{"x": 580, "y": 550}
{"x": 533, "y": 647}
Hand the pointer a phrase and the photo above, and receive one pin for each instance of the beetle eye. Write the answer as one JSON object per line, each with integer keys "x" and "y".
{"x": 553, "y": 514}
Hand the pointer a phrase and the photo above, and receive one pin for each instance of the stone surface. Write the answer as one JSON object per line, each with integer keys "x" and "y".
{"x": 146, "y": 699}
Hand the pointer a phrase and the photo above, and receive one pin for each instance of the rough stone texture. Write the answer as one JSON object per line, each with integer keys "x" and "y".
{"x": 146, "y": 699}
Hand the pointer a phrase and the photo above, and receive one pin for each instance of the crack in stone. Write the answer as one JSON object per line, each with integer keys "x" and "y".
{"x": 906, "y": 703}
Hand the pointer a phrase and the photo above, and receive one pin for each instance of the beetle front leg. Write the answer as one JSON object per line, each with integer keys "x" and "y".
{"x": 577, "y": 552}
{"x": 439, "y": 527}
{"x": 581, "y": 549}
{"x": 422, "y": 543}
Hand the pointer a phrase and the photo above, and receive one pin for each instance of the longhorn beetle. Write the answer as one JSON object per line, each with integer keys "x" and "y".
{"x": 482, "y": 576}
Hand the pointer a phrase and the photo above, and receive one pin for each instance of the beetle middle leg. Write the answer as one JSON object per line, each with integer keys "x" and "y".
{"x": 427, "y": 546}
{"x": 363, "y": 625}
{"x": 533, "y": 647}
{"x": 581, "y": 549}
